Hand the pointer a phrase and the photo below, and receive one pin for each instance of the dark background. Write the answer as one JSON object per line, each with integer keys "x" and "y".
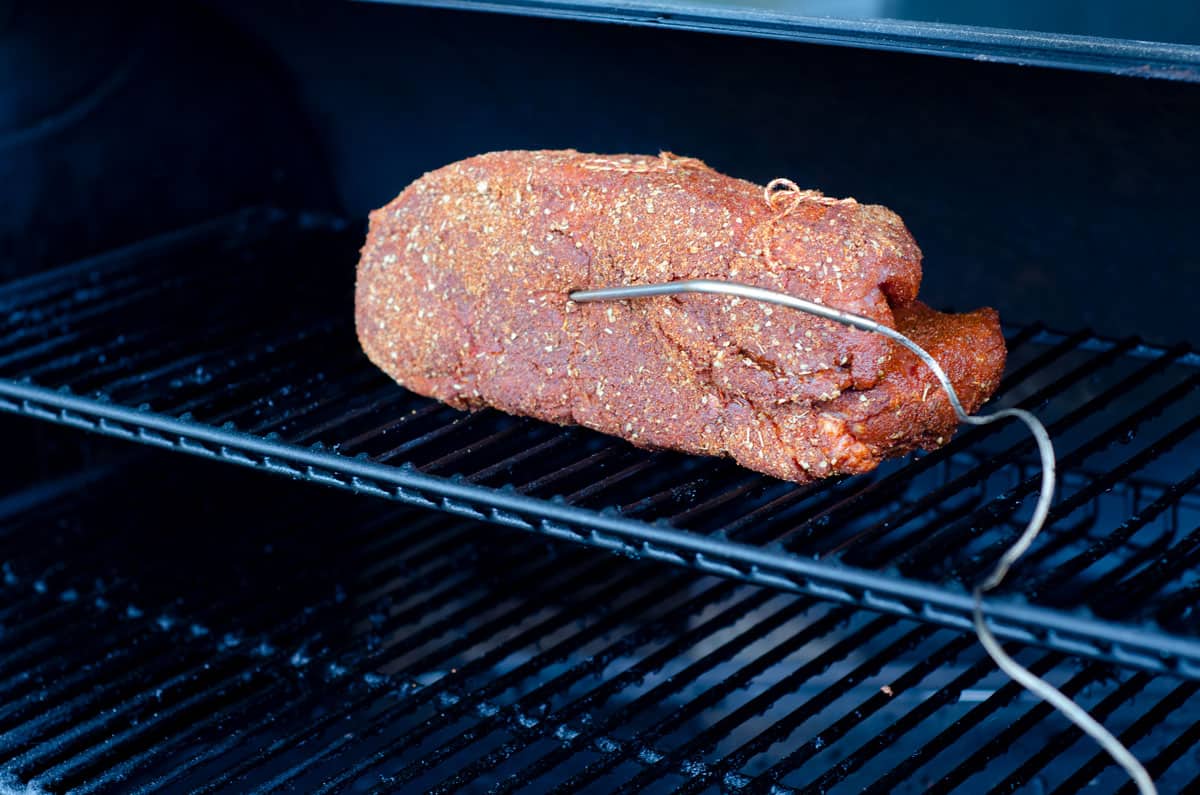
{"x": 1061, "y": 197}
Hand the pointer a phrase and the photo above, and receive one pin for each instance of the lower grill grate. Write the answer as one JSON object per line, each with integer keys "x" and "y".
{"x": 235, "y": 341}
{"x": 253, "y": 635}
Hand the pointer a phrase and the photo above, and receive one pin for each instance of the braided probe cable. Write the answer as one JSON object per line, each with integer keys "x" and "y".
{"x": 1023, "y": 676}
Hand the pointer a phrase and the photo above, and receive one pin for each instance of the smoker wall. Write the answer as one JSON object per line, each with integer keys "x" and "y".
{"x": 1055, "y": 196}
{"x": 119, "y": 122}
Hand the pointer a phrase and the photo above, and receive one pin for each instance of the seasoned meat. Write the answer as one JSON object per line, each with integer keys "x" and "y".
{"x": 462, "y": 296}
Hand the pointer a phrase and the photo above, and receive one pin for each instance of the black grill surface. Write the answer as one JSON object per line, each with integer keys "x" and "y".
{"x": 171, "y": 625}
{"x": 235, "y": 340}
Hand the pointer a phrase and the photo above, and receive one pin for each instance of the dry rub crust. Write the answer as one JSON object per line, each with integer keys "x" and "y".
{"x": 462, "y": 289}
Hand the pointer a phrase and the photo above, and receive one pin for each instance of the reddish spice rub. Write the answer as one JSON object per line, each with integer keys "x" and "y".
{"x": 462, "y": 296}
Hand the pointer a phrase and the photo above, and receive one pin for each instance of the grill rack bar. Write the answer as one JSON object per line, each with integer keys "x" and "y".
{"x": 784, "y": 726}
{"x": 214, "y": 702}
{"x": 1080, "y": 635}
{"x": 529, "y": 735}
{"x": 689, "y": 514}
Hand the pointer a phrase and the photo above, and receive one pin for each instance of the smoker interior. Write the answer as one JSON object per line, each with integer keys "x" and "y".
{"x": 193, "y": 341}
{"x": 183, "y": 625}
{"x": 257, "y": 634}
{"x": 1055, "y": 196}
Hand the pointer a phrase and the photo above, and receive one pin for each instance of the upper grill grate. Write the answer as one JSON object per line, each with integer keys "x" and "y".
{"x": 235, "y": 340}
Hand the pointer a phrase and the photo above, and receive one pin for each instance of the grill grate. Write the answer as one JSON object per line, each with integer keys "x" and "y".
{"x": 234, "y": 340}
{"x": 253, "y": 635}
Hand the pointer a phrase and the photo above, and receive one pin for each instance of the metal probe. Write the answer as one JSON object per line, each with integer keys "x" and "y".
{"x": 1039, "y": 687}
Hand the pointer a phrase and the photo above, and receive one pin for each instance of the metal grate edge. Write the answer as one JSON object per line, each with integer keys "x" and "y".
{"x": 1072, "y": 633}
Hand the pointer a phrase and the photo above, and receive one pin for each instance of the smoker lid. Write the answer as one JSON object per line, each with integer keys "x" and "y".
{"x": 1156, "y": 39}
